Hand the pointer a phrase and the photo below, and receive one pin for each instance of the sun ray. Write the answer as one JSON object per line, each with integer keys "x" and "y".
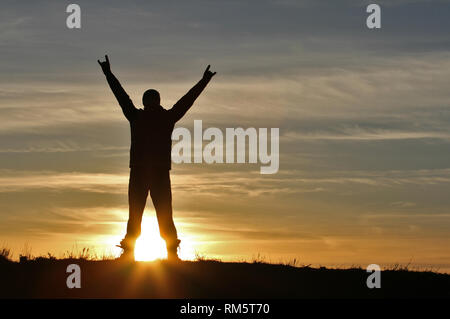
{"x": 150, "y": 246}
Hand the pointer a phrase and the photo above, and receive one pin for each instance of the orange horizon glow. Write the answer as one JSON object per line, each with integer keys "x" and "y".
{"x": 363, "y": 119}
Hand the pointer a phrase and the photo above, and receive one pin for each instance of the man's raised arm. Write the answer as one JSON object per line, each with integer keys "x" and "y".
{"x": 122, "y": 97}
{"x": 184, "y": 104}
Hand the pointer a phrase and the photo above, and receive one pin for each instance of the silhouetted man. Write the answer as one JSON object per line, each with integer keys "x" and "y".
{"x": 150, "y": 158}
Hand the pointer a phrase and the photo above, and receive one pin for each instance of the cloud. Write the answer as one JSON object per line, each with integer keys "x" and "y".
{"x": 363, "y": 116}
{"x": 402, "y": 204}
{"x": 368, "y": 135}
{"x": 20, "y": 181}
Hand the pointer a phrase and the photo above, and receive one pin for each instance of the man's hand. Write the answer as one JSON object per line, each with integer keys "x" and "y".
{"x": 106, "y": 67}
{"x": 208, "y": 74}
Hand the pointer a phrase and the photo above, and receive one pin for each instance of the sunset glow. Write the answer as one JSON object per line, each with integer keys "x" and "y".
{"x": 150, "y": 246}
{"x": 362, "y": 116}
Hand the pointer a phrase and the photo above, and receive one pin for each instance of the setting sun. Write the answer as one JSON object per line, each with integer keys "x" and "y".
{"x": 150, "y": 246}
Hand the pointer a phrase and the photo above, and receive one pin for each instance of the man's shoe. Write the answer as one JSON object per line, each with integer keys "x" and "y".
{"x": 127, "y": 255}
{"x": 172, "y": 251}
{"x": 127, "y": 251}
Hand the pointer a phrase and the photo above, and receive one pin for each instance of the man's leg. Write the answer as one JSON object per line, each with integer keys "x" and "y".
{"x": 137, "y": 197}
{"x": 161, "y": 193}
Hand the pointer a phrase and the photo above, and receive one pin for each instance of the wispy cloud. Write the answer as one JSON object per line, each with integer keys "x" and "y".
{"x": 363, "y": 120}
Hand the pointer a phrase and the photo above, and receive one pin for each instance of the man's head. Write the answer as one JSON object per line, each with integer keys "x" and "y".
{"x": 151, "y": 99}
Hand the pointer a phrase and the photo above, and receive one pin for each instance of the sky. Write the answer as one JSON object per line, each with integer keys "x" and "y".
{"x": 363, "y": 117}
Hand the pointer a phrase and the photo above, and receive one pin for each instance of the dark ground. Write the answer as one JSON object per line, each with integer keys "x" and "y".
{"x": 46, "y": 278}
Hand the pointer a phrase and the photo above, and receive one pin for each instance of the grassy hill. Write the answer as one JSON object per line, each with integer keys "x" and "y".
{"x": 46, "y": 278}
